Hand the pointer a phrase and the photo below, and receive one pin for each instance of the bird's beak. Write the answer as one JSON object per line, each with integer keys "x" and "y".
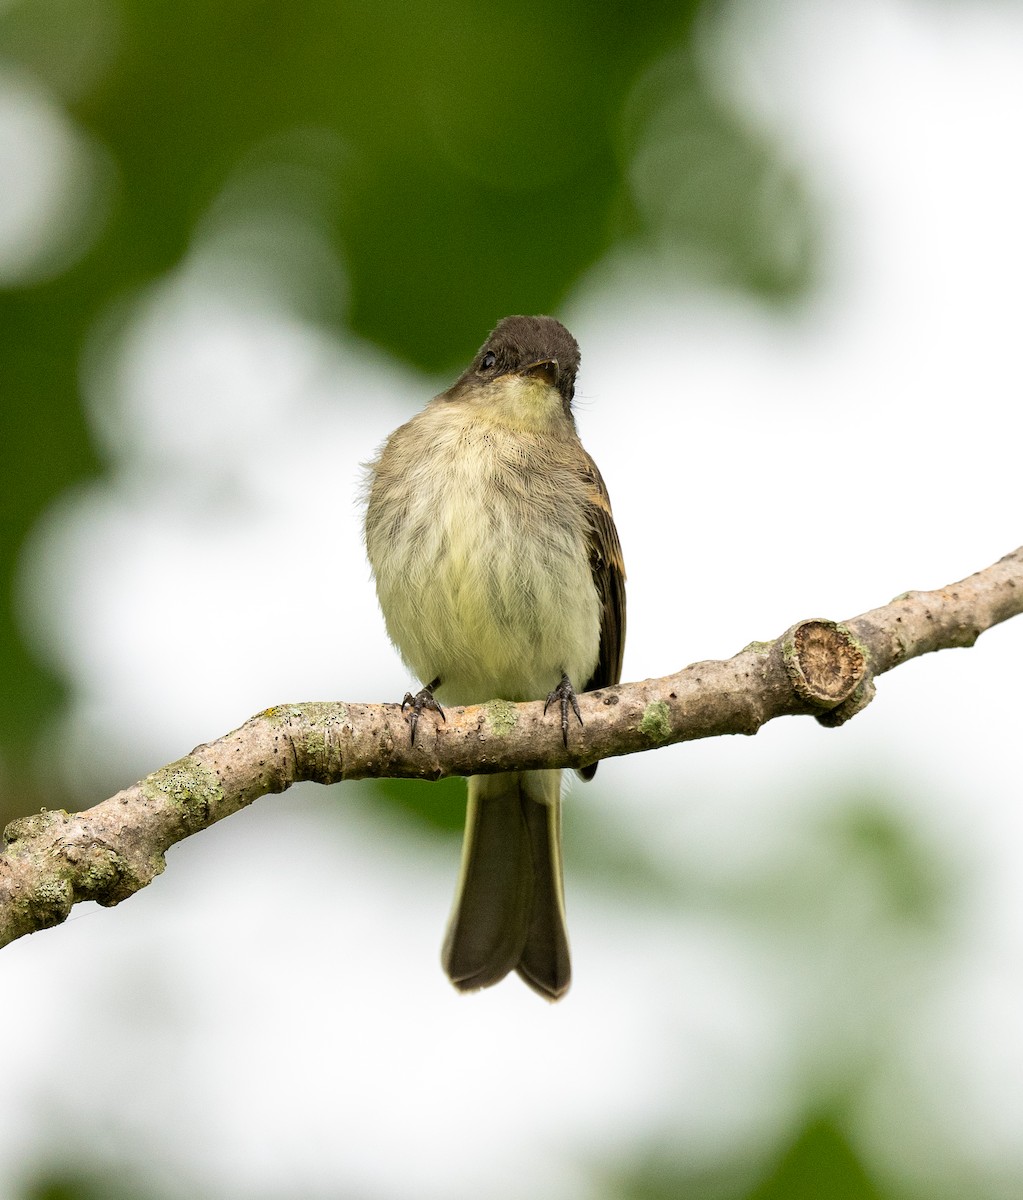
{"x": 546, "y": 369}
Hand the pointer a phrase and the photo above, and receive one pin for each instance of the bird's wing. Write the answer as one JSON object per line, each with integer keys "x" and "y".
{"x": 608, "y": 570}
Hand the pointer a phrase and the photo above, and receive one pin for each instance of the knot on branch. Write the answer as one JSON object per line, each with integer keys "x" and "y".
{"x": 80, "y": 866}
{"x": 828, "y": 668}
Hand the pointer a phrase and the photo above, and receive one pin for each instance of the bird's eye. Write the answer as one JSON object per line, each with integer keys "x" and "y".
{"x": 489, "y": 361}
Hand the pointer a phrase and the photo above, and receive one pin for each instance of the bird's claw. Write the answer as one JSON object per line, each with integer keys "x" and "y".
{"x": 564, "y": 694}
{"x": 422, "y": 699}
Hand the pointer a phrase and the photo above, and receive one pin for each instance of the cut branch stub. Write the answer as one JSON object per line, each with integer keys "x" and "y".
{"x": 826, "y": 664}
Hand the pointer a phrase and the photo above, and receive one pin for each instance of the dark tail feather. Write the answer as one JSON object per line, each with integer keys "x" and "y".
{"x": 545, "y": 964}
{"x": 509, "y": 909}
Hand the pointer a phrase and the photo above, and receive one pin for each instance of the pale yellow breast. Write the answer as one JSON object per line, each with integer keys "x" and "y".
{"x": 481, "y": 558}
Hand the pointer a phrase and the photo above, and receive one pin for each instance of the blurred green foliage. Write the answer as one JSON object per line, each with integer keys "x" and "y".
{"x": 819, "y": 1163}
{"x": 113, "y": 1183}
{"x": 467, "y": 160}
{"x": 440, "y": 805}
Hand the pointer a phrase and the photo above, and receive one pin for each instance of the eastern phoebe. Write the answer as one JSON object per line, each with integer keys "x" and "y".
{"x": 500, "y": 575}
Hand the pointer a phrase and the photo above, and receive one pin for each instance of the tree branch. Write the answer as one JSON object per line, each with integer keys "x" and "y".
{"x": 53, "y": 860}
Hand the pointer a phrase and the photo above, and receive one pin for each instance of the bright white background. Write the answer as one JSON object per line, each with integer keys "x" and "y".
{"x": 270, "y": 1017}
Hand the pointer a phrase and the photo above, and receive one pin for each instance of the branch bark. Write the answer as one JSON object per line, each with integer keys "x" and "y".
{"x": 53, "y": 860}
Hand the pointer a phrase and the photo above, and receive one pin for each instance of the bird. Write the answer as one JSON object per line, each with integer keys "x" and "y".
{"x": 499, "y": 574}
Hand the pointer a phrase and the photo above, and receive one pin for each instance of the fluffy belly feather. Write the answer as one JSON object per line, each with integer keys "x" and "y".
{"x": 487, "y": 582}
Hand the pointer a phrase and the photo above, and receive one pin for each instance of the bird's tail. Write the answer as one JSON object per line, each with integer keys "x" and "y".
{"x": 509, "y": 911}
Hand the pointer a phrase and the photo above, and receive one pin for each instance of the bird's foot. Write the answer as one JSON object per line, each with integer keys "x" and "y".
{"x": 422, "y": 699}
{"x": 564, "y": 694}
